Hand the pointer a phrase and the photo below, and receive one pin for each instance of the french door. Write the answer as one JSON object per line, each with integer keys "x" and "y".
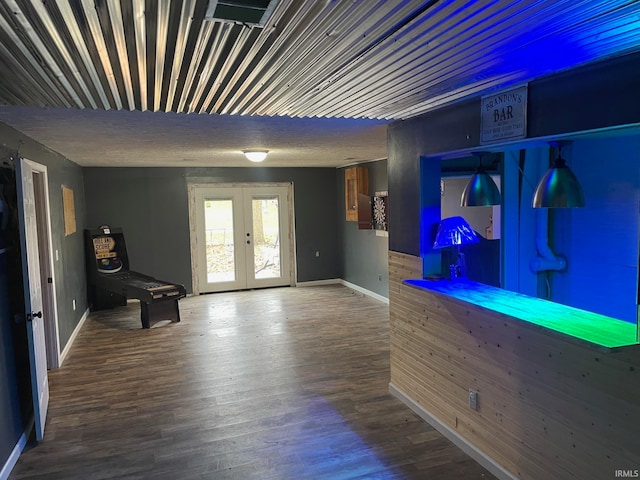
{"x": 242, "y": 237}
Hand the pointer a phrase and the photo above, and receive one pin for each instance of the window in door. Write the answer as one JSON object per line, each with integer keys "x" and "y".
{"x": 242, "y": 237}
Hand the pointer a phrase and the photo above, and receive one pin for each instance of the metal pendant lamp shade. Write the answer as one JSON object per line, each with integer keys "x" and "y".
{"x": 558, "y": 188}
{"x": 481, "y": 191}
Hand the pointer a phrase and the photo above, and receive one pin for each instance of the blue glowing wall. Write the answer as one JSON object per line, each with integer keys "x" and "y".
{"x": 601, "y": 239}
{"x": 363, "y": 254}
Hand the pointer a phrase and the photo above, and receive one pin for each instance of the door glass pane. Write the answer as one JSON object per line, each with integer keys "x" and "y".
{"x": 218, "y": 221}
{"x": 266, "y": 237}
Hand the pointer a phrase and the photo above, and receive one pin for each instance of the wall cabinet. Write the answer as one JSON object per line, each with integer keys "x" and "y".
{"x": 356, "y": 189}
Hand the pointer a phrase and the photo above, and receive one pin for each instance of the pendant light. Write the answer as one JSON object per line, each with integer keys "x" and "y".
{"x": 481, "y": 190}
{"x": 559, "y": 187}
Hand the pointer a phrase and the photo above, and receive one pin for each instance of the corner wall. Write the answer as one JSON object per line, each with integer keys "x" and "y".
{"x": 363, "y": 253}
{"x": 69, "y": 271}
{"x": 70, "y": 267}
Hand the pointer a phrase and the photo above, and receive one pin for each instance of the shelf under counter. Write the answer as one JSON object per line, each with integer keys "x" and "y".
{"x": 595, "y": 329}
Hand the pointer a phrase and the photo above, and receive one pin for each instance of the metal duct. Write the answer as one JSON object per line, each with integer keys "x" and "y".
{"x": 254, "y": 12}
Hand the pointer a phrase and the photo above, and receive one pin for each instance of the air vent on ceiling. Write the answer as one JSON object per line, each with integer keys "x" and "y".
{"x": 253, "y": 12}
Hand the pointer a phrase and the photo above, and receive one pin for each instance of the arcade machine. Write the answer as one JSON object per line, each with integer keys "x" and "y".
{"x": 111, "y": 283}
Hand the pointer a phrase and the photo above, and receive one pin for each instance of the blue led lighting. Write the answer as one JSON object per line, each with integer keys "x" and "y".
{"x": 591, "y": 327}
{"x": 347, "y": 450}
{"x": 454, "y": 231}
{"x": 525, "y": 48}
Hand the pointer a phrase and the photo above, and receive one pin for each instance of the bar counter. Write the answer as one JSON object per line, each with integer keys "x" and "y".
{"x": 596, "y": 329}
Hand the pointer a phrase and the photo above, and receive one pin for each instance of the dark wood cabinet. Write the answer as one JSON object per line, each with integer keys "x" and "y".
{"x": 364, "y": 212}
{"x": 356, "y": 187}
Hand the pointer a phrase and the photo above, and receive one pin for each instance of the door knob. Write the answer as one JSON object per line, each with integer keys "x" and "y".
{"x": 31, "y": 316}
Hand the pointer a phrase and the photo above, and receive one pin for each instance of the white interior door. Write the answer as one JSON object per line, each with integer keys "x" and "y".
{"x": 33, "y": 295}
{"x": 242, "y": 237}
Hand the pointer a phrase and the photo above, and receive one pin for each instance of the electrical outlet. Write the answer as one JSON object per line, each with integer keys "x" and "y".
{"x": 317, "y": 253}
{"x": 379, "y": 278}
{"x": 473, "y": 399}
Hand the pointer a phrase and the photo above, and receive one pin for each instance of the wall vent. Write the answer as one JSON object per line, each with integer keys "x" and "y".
{"x": 252, "y": 12}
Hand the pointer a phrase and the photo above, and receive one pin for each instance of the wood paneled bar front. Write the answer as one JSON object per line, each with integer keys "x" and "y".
{"x": 576, "y": 325}
{"x": 550, "y": 406}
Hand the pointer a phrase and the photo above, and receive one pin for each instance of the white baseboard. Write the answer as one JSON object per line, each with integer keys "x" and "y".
{"x": 316, "y": 283}
{"x": 369, "y": 293}
{"x": 15, "y": 455}
{"x": 462, "y": 443}
{"x": 352, "y": 286}
{"x": 73, "y": 336}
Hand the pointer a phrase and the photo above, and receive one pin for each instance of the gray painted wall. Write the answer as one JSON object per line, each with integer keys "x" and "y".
{"x": 13, "y": 345}
{"x": 151, "y": 205}
{"x": 364, "y": 255}
{"x": 69, "y": 271}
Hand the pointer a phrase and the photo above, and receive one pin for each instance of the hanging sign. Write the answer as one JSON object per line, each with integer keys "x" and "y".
{"x": 504, "y": 115}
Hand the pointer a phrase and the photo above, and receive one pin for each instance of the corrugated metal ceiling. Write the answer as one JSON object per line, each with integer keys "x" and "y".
{"x": 358, "y": 59}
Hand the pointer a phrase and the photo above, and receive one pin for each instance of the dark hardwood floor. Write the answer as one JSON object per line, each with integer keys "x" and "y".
{"x": 286, "y": 383}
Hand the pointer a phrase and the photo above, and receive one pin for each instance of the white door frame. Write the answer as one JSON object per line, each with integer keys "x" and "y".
{"x": 30, "y": 191}
{"x": 193, "y": 187}
{"x": 47, "y": 273}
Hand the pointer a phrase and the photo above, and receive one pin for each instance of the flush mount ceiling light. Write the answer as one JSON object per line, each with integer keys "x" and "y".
{"x": 481, "y": 191}
{"x": 559, "y": 187}
{"x": 255, "y": 155}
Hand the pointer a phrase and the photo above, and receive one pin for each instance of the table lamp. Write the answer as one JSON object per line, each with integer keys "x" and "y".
{"x": 454, "y": 232}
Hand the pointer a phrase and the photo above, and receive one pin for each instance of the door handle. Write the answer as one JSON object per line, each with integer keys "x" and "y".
{"x": 31, "y": 316}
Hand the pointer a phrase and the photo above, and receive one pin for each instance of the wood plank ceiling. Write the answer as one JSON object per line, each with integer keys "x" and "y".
{"x": 376, "y": 59}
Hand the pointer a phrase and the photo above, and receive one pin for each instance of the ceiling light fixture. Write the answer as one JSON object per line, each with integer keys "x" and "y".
{"x": 255, "y": 155}
{"x": 481, "y": 191}
{"x": 559, "y": 187}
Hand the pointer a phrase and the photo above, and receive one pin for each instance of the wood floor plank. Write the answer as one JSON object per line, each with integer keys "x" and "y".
{"x": 284, "y": 383}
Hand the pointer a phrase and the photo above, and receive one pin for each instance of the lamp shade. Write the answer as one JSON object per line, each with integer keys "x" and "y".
{"x": 255, "y": 155}
{"x": 481, "y": 191}
{"x": 454, "y": 231}
{"x": 558, "y": 188}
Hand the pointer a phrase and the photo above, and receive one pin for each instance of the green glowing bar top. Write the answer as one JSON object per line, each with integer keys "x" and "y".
{"x": 592, "y": 327}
